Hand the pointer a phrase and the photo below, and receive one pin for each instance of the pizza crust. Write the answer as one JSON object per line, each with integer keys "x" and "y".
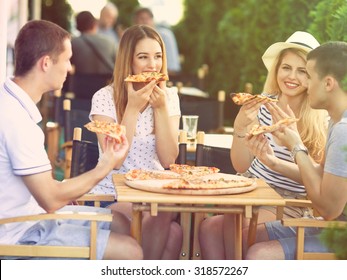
{"x": 114, "y": 130}
{"x": 242, "y": 98}
{"x": 146, "y": 77}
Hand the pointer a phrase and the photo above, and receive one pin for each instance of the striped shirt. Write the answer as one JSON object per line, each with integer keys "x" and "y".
{"x": 260, "y": 170}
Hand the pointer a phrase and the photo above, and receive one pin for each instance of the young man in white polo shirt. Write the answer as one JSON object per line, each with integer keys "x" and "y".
{"x": 42, "y": 60}
{"x": 326, "y": 184}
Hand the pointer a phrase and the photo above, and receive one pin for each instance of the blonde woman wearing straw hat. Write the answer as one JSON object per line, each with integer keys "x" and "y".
{"x": 287, "y": 80}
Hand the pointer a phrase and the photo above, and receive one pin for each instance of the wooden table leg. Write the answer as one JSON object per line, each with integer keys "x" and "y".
{"x": 186, "y": 221}
{"x": 252, "y": 229}
{"x": 136, "y": 224}
{"x": 238, "y": 236}
{"x": 196, "y": 250}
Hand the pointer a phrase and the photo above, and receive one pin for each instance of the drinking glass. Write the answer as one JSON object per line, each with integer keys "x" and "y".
{"x": 190, "y": 125}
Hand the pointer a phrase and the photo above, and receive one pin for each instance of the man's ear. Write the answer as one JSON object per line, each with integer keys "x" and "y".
{"x": 45, "y": 62}
{"x": 330, "y": 83}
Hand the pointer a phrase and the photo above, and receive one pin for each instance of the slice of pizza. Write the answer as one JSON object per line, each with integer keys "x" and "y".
{"x": 146, "y": 77}
{"x": 111, "y": 129}
{"x": 208, "y": 184}
{"x": 189, "y": 170}
{"x": 258, "y": 129}
{"x": 141, "y": 174}
{"x": 241, "y": 98}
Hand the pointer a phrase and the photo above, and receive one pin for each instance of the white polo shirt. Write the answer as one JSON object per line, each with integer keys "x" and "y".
{"x": 22, "y": 152}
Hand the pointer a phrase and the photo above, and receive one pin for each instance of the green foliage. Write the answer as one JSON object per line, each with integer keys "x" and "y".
{"x": 335, "y": 238}
{"x": 329, "y": 20}
{"x": 231, "y": 36}
{"x": 57, "y": 11}
{"x": 125, "y": 8}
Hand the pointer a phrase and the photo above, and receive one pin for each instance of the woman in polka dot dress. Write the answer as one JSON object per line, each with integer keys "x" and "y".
{"x": 151, "y": 114}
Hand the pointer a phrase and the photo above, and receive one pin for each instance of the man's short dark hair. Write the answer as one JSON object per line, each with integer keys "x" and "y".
{"x": 85, "y": 21}
{"x": 331, "y": 59}
{"x": 36, "y": 39}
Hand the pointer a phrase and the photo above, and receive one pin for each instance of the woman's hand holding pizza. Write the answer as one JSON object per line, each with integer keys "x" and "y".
{"x": 158, "y": 97}
{"x": 247, "y": 115}
{"x": 139, "y": 98}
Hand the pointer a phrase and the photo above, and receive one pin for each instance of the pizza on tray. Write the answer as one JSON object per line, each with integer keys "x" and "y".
{"x": 241, "y": 98}
{"x": 111, "y": 129}
{"x": 208, "y": 184}
{"x": 258, "y": 129}
{"x": 146, "y": 77}
{"x": 186, "y": 177}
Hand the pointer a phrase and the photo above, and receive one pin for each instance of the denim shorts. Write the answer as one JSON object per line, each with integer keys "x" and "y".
{"x": 287, "y": 237}
{"x": 68, "y": 232}
{"x": 103, "y": 204}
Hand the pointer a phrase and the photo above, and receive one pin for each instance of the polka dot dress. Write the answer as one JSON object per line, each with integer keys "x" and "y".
{"x": 142, "y": 154}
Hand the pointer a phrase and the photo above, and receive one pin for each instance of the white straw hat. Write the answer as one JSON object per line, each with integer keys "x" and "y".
{"x": 300, "y": 40}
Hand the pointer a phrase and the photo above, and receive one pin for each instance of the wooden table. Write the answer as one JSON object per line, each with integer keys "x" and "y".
{"x": 240, "y": 204}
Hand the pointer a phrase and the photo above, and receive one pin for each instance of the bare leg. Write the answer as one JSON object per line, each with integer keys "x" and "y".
{"x": 155, "y": 234}
{"x": 120, "y": 223}
{"x": 263, "y": 217}
{"x": 229, "y": 227}
{"x": 122, "y": 247}
{"x": 211, "y": 238}
{"x": 174, "y": 243}
{"x": 270, "y": 250}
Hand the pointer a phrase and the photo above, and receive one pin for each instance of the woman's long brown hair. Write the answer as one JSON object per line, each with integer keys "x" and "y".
{"x": 124, "y": 62}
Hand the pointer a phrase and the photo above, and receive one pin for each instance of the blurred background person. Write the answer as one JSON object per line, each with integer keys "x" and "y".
{"x": 145, "y": 16}
{"x": 107, "y": 22}
{"x": 93, "y": 58}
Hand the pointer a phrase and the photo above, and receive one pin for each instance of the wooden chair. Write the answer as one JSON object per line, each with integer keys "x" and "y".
{"x": 53, "y": 129}
{"x": 74, "y": 118}
{"x": 84, "y": 157}
{"x": 303, "y": 203}
{"x": 26, "y": 251}
{"x": 301, "y": 224}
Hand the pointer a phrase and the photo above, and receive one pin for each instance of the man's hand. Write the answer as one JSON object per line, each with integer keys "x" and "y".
{"x": 260, "y": 148}
{"x": 278, "y": 114}
{"x": 288, "y": 137}
{"x": 114, "y": 153}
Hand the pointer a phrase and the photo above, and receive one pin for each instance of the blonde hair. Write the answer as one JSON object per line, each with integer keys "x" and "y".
{"x": 124, "y": 62}
{"x": 312, "y": 124}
